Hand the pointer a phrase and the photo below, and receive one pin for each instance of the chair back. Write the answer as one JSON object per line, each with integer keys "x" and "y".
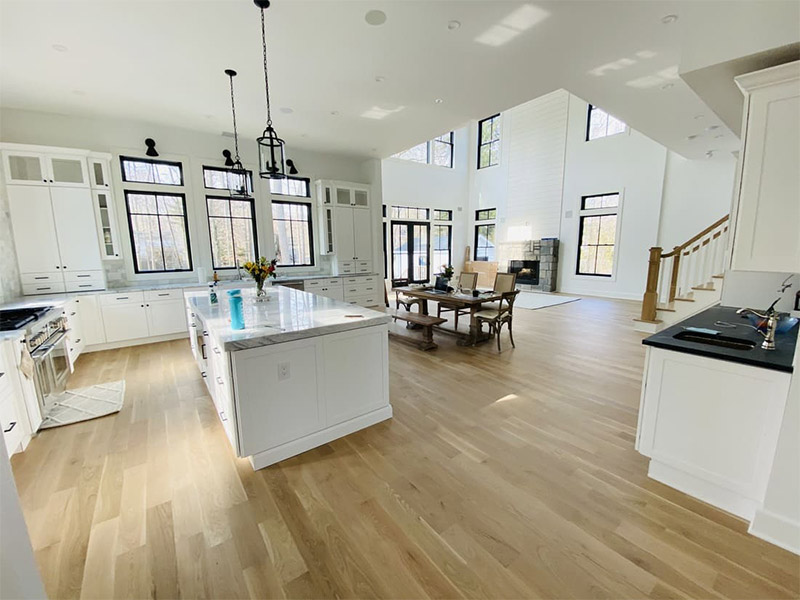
{"x": 505, "y": 282}
{"x": 396, "y": 283}
{"x": 468, "y": 281}
{"x": 508, "y": 298}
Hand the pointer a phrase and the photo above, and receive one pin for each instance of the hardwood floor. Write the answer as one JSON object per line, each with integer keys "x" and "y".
{"x": 508, "y": 475}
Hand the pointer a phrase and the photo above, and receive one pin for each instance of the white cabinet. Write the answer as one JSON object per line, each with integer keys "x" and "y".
{"x": 11, "y": 421}
{"x": 136, "y": 314}
{"x": 125, "y": 321}
{"x": 106, "y": 224}
{"x": 75, "y": 229}
{"x": 25, "y": 165}
{"x": 91, "y": 320}
{"x": 67, "y": 170}
{"x": 767, "y": 208}
{"x": 25, "y": 168}
{"x": 100, "y": 171}
{"x": 344, "y": 233}
{"x": 345, "y": 225}
{"x": 165, "y": 317}
{"x": 362, "y": 235}
{"x": 34, "y": 229}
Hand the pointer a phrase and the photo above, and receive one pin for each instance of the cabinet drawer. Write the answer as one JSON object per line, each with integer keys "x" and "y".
{"x": 122, "y": 298}
{"x": 347, "y": 267}
{"x": 312, "y": 284}
{"x": 43, "y": 288}
{"x": 359, "y": 280}
{"x": 40, "y": 278}
{"x": 84, "y": 276}
{"x": 364, "y": 266}
{"x": 85, "y": 286}
{"x": 9, "y": 421}
{"x": 163, "y": 294}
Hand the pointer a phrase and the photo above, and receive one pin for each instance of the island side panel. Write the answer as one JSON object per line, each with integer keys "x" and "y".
{"x": 294, "y": 396}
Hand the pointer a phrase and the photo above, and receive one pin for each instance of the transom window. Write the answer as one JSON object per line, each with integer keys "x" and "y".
{"x": 410, "y": 213}
{"x": 147, "y": 170}
{"x": 232, "y": 230}
{"x": 486, "y": 214}
{"x": 442, "y": 215}
{"x": 216, "y": 178}
{"x": 438, "y": 151}
{"x": 291, "y": 186}
{"x": 485, "y": 234}
{"x": 489, "y": 142}
{"x": 159, "y": 232}
{"x": 600, "y": 124}
{"x": 291, "y": 226}
{"x": 598, "y": 234}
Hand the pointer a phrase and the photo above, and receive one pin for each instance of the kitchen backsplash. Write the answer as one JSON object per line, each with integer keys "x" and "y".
{"x": 10, "y": 286}
{"x": 755, "y": 289}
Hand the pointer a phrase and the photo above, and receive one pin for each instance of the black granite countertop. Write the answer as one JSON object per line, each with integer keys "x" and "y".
{"x": 780, "y": 359}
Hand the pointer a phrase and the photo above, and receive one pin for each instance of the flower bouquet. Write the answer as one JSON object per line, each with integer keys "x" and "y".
{"x": 447, "y": 272}
{"x": 260, "y": 270}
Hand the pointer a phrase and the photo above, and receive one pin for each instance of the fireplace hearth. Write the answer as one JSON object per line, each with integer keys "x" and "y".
{"x": 527, "y": 271}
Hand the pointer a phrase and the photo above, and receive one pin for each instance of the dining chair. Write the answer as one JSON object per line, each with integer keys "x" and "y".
{"x": 400, "y": 298}
{"x": 497, "y": 317}
{"x": 466, "y": 282}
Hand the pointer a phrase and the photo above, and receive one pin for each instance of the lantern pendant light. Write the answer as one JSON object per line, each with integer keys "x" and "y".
{"x": 271, "y": 148}
{"x": 239, "y": 183}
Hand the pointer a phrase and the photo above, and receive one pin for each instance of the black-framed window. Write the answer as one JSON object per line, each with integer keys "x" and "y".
{"x": 484, "y": 241}
{"x": 217, "y": 178}
{"x": 148, "y": 170}
{"x": 438, "y": 151}
{"x": 411, "y": 251}
{"x": 292, "y": 228}
{"x": 159, "y": 232}
{"x": 232, "y": 231}
{"x": 486, "y": 214}
{"x": 489, "y": 141}
{"x": 299, "y": 187}
{"x": 600, "y": 124}
{"x": 442, "y": 242}
{"x": 597, "y": 234}
{"x": 410, "y": 213}
{"x": 442, "y": 215}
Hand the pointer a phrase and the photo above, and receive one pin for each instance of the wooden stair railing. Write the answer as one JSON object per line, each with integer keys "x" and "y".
{"x": 692, "y": 266}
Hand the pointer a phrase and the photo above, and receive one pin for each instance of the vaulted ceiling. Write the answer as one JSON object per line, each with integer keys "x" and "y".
{"x": 340, "y": 84}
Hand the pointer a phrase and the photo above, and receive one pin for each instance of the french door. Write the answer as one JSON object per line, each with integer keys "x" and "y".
{"x": 411, "y": 251}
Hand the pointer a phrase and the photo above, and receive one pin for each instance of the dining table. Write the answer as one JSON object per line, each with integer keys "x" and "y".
{"x": 455, "y": 299}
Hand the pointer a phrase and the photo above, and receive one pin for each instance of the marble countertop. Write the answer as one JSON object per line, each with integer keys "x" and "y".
{"x": 287, "y": 315}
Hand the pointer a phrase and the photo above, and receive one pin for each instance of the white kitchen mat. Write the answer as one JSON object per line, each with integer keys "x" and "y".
{"x": 534, "y": 300}
{"x": 83, "y": 404}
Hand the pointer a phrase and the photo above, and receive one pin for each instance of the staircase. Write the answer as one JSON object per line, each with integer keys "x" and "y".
{"x": 685, "y": 280}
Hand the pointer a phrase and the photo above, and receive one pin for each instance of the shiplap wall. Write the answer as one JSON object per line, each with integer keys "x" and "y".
{"x": 536, "y": 151}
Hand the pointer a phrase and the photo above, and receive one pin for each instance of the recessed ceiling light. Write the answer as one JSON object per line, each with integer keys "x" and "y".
{"x": 375, "y": 17}
{"x": 335, "y": 113}
{"x": 453, "y": 25}
{"x": 438, "y": 101}
{"x": 286, "y": 110}
{"x": 60, "y": 47}
{"x": 691, "y": 137}
{"x": 667, "y": 19}
{"x": 712, "y": 127}
{"x": 667, "y": 86}
{"x": 710, "y": 153}
{"x": 380, "y": 79}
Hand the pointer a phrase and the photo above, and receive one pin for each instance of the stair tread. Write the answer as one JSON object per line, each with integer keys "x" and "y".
{"x": 704, "y": 289}
{"x": 656, "y": 322}
{"x": 685, "y": 299}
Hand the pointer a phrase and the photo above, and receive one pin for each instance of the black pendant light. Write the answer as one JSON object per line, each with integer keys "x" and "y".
{"x": 239, "y": 184}
{"x": 271, "y": 148}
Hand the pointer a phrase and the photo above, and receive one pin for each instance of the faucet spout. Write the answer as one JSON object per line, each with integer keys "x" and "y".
{"x": 772, "y": 318}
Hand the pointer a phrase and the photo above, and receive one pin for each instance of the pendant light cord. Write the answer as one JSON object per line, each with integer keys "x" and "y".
{"x": 266, "y": 76}
{"x": 235, "y": 132}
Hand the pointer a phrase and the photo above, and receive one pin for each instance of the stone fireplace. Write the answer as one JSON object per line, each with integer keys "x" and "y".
{"x": 534, "y": 261}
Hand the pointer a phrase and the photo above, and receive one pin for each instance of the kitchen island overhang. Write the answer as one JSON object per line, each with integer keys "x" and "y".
{"x": 306, "y": 370}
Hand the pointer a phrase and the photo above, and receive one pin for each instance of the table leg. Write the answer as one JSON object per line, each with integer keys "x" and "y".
{"x": 472, "y": 338}
{"x": 423, "y": 310}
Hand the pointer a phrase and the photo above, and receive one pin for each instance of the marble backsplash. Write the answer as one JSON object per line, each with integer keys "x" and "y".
{"x": 10, "y": 285}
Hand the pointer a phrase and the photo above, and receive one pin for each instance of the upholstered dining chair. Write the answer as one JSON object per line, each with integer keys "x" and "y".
{"x": 497, "y": 317}
{"x": 466, "y": 282}
{"x": 401, "y": 299}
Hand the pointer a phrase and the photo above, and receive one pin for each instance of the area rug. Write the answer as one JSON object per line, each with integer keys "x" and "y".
{"x": 83, "y": 404}
{"x": 534, "y": 300}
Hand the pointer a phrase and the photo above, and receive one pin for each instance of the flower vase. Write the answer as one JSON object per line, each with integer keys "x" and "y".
{"x": 261, "y": 293}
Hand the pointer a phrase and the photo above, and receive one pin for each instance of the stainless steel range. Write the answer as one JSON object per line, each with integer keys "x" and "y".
{"x": 45, "y": 330}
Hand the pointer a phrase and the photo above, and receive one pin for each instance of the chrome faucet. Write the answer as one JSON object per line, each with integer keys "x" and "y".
{"x": 773, "y": 318}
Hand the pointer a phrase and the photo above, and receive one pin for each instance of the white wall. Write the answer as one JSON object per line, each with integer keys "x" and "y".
{"x": 696, "y": 193}
{"x": 629, "y": 163}
{"x": 408, "y": 183}
{"x": 193, "y": 149}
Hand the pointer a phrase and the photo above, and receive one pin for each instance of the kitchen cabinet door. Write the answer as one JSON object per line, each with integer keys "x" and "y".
{"x": 25, "y": 168}
{"x": 106, "y": 224}
{"x": 34, "y": 229}
{"x": 125, "y": 322}
{"x": 100, "y": 173}
{"x": 166, "y": 317}
{"x": 76, "y": 230}
{"x": 91, "y": 320}
{"x": 344, "y": 241}
{"x": 67, "y": 170}
{"x": 362, "y": 234}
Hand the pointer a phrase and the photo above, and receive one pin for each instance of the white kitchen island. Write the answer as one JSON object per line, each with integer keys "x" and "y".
{"x": 306, "y": 370}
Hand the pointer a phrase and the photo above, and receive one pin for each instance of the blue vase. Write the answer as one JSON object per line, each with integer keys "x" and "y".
{"x": 237, "y": 313}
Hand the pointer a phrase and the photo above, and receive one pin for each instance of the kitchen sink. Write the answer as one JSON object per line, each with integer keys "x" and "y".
{"x": 720, "y": 341}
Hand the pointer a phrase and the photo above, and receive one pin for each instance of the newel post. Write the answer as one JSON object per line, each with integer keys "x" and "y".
{"x": 676, "y": 264}
{"x": 650, "y": 299}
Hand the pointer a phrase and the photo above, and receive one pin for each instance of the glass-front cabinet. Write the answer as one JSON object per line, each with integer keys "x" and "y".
{"x": 100, "y": 172}
{"x": 24, "y": 167}
{"x": 68, "y": 170}
{"x": 106, "y": 224}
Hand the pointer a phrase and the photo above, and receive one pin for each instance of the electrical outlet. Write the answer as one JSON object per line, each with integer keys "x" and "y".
{"x": 283, "y": 371}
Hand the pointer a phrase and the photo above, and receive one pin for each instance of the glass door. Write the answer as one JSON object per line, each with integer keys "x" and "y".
{"x": 68, "y": 170}
{"x": 411, "y": 251}
{"x": 106, "y": 224}
{"x": 25, "y": 168}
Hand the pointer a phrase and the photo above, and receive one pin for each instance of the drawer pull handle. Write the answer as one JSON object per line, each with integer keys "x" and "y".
{"x": 45, "y": 277}
{"x": 219, "y": 381}
{"x": 203, "y": 374}
{"x": 122, "y": 298}
{"x": 83, "y": 275}
{"x": 41, "y": 289}
{"x": 216, "y": 351}
{"x": 10, "y": 427}
{"x": 85, "y": 285}
{"x": 222, "y": 415}
{"x": 167, "y": 294}
{"x": 72, "y": 314}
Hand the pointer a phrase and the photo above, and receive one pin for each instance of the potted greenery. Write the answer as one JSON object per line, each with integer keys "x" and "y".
{"x": 447, "y": 272}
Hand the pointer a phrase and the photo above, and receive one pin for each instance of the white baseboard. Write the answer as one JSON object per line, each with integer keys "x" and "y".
{"x": 776, "y": 529}
{"x": 136, "y": 342}
{"x": 318, "y": 438}
{"x": 714, "y": 495}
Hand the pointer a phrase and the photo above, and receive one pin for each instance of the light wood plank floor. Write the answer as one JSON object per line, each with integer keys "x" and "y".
{"x": 504, "y": 475}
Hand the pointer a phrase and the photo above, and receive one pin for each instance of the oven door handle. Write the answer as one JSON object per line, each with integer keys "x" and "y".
{"x": 43, "y": 352}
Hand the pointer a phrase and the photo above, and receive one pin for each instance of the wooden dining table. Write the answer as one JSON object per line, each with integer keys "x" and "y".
{"x": 455, "y": 300}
